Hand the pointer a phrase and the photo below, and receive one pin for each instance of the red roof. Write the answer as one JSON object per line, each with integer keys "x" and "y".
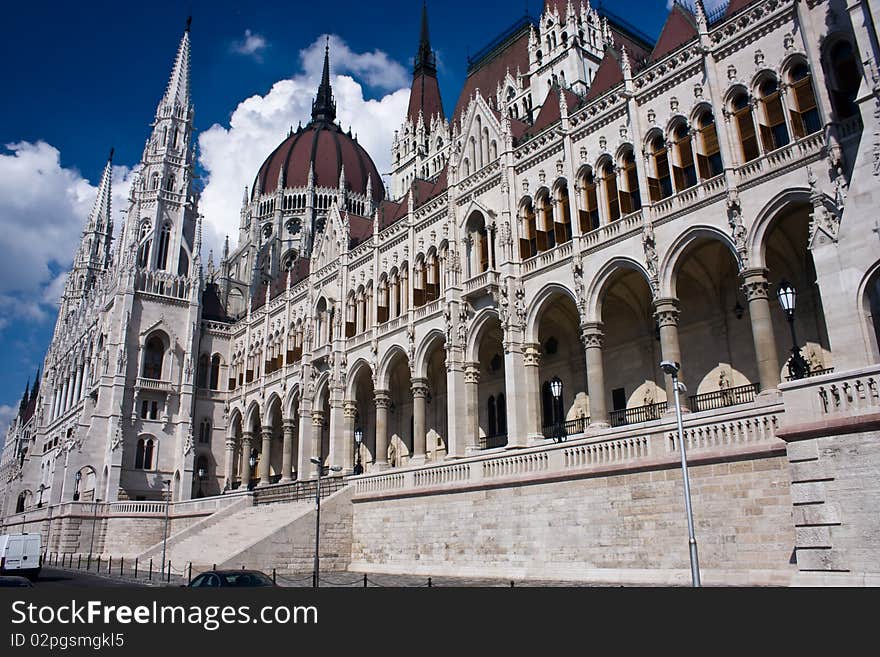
{"x": 607, "y": 76}
{"x": 300, "y": 270}
{"x": 391, "y": 212}
{"x": 736, "y": 5}
{"x": 425, "y": 96}
{"x": 359, "y": 229}
{"x": 487, "y": 77}
{"x": 324, "y": 146}
{"x": 550, "y": 108}
{"x": 680, "y": 27}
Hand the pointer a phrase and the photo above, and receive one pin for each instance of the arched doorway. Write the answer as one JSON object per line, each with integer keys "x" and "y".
{"x": 485, "y": 387}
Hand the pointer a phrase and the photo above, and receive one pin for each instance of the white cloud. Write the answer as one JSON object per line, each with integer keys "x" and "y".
{"x": 43, "y": 208}
{"x": 251, "y": 45}
{"x": 7, "y": 413}
{"x": 232, "y": 155}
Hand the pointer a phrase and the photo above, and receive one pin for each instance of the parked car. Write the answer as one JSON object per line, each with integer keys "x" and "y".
{"x": 15, "y": 581}
{"x": 20, "y": 555}
{"x": 231, "y": 578}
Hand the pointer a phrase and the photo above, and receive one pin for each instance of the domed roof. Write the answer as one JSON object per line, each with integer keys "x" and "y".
{"x": 323, "y": 147}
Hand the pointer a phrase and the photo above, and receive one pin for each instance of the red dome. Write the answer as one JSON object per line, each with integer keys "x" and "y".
{"x": 323, "y": 145}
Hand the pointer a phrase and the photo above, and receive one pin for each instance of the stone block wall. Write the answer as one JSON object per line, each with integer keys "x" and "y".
{"x": 622, "y": 528}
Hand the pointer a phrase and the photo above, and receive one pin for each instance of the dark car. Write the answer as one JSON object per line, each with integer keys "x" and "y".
{"x": 14, "y": 580}
{"x": 234, "y": 578}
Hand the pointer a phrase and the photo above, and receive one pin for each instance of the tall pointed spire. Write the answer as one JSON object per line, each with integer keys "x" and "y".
{"x": 324, "y": 107}
{"x": 177, "y": 93}
{"x": 425, "y": 61}
{"x": 99, "y": 219}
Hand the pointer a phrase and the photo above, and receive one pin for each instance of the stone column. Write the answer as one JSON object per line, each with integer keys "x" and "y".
{"x": 246, "y": 439}
{"x": 593, "y": 336}
{"x": 383, "y": 401}
{"x": 393, "y": 298}
{"x": 289, "y": 428}
{"x": 457, "y": 424}
{"x": 532, "y": 384}
{"x": 755, "y": 286}
{"x": 338, "y": 436}
{"x": 229, "y": 466}
{"x": 471, "y": 405}
{"x": 77, "y": 387}
{"x": 419, "y": 393}
{"x": 265, "y": 456}
{"x": 317, "y": 434}
{"x": 304, "y": 466}
{"x": 666, "y": 313}
{"x": 516, "y": 395}
{"x": 349, "y": 414}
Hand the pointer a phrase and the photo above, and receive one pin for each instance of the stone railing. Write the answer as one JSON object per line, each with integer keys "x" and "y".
{"x": 686, "y": 198}
{"x": 153, "y": 384}
{"x": 138, "y": 508}
{"x": 557, "y": 253}
{"x": 163, "y": 284}
{"x": 428, "y": 309}
{"x": 738, "y": 431}
{"x": 616, "y": 229}
{"x": 295, "y": 491}
{"x": 834, "y": 400}
{"x": 789, "y": 155}
{"x": 481, "y": 281}
{"x": 360, "y": 338}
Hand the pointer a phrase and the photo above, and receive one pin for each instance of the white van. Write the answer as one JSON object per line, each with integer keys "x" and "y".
{"x": 20, "y": 555}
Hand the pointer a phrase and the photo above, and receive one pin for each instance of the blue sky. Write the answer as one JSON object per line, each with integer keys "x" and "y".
{"x": 81, "y": 77}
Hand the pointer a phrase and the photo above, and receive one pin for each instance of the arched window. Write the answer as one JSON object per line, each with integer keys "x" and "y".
{"x": 708, "y": 152}
{"x": 845, "y": 79}
{"x": 660, "y": 184}
{"x": 804, "y": 113}
{"x": 202, "y": 378}
{"x": 205, "y": 431}
{"x": 215, "y": 372}
{"x": 609, "y": 186}
{"x": 562, "y": 216}
{"x": 544, "y": 212}
{"x": 183, "y": 263}
{"x": 774, "y": 134}
{"x": 154, "y": 180}
{"x": 170, "y": 182}
{"x": 589, "y": 212}
{"x": 528, "y": 243}
{"x": 154, "y": 352}
{"x": 684, "y": 172}
{"x": 20, "y": 502}
{"x": 143, "y": 455}
{"x": 164, "y": 239}
{"x": 745, "y": 124}
{"x": 630, "y": 199}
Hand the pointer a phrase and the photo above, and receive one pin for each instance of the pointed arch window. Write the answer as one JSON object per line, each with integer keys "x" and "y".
{"x": 660, "y": 184}
{"x": 205, "y": 431}
{"x": 774, "y": 133}
{"x": 154, "y": 353}
{"x": 683, "y": 170}
{"x": 202, "y": 378}
{"x": 164, "y": 240}
{"x": 709, "y": 162}
{"x": 846, "y": 79}
{"x": 170, "y": 183}
{"x": 745, "y": 125}
{"x": 215, "y": 372}
{"x": 562, "y": 217}
{"x": 528, "y": 243}
{"x": 143, "y": 456}
{"x": 804, "y": 114}
{"x": 609, "y": 187}
{"x": 589, "y": 212}
{"x": 154, "y": 180}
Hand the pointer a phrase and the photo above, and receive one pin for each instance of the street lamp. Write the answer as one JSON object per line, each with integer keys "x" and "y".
{"x": 556, "y": 391}
{"x": 76, "y": 479}
{"x": 671, "y": 368}
{"x": 167, "y": 484}
{"x": 252, "y": 461}
{"x": 358, "y": 441}
{"x": 318, "y": 462}
{"x": 40, "y": 502}
{"x": 201, "y": 475}
{"x": 798, "y": 367}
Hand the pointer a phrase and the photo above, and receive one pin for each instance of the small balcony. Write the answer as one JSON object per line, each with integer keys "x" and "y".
{"x": 482, "y": 284}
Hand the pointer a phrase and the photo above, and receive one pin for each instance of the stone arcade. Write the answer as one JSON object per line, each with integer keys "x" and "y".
{"x": 596, "y": 202}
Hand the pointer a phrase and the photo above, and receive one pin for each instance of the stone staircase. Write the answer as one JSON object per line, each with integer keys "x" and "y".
{"x": 279, "y": 535}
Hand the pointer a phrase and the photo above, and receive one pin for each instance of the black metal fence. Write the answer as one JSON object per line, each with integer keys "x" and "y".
{"x": 709, "y": 401}
{"x": 569, "y": 427}
{"x": 498, "y": 440}
{"x": 637, "y": 414}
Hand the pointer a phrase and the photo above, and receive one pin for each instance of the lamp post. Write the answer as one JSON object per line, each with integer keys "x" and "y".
{"x": 556, "y": 391}
{"x": 94, "y": 522}
{"x": 76, "y": 479}
{"x": 40, "y": 502}
{"x": 167, "y": 484}
{"x": 671, "y": 368}
{"x": 358, "y": 441}
{"x": 798, "y": 367}
{"x": 252, "y": 461}
{"x": 201, "y": 475}
{"x": 318, "y": 462}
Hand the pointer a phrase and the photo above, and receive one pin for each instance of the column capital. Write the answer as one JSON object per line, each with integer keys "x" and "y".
{"x": 472, "y": 372}
{"x": 666, "y": 311}
{"x": 349, "y": 408}
{"x": 230, "y": 442}
{"x": 593, "y": 335}
{"x": 266, "y": 431}
{"x": 532, "y": 354}
{"x": 419, "y": 387}
{"x": 754, "y": 283}
{"x": 247, "y": 436}
{"x": 383, "y": 398}
{"x": 289, "y": 425}
{"x": 317, "y": 418}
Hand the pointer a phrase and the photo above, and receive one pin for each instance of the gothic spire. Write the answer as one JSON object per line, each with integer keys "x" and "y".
{"x": 324, "y": 107}
{"x": 99, "y": 219}
{"x": 425, "y": 62}
{"x": 177, "y": 92}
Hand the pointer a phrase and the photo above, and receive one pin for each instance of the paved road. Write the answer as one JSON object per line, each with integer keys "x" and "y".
{"x": 56, "y": 577}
